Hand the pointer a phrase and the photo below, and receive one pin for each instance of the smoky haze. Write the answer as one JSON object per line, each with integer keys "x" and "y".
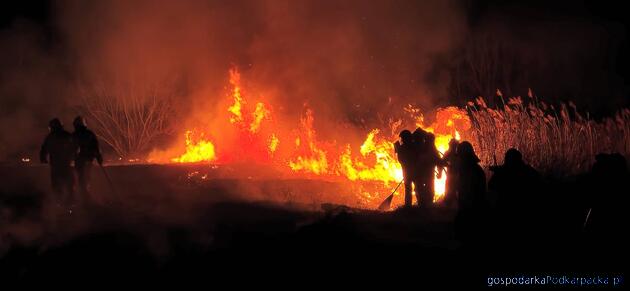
{"x": 344, "y": 59}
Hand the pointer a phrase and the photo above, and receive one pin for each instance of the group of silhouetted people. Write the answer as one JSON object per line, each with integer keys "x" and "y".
{"x": 70, "y": 155}
{"x": 418, "y": 156}
{"x": 421, "y": 162}
{"x": 466, "y": 180}
{"x": 514, "y": 193}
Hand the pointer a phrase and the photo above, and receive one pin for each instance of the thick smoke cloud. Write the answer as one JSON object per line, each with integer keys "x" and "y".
{"x": 345, "y": 59}
{"x": 336, "y": 57}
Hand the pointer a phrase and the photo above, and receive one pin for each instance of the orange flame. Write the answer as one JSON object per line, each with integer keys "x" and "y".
{"x": 377, "y": 161}
{"x": 314, "y": 158}
{"x": 259, "y": 114}
{"x": 196, "y": 151}
{"x": 445, "y": 126}
{"x": 235, "y": 109}
{"x": 273, "y": 143}
{"x": 374, "y": 160}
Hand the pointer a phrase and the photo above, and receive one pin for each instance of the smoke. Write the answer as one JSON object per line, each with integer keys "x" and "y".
{"x": 32, "y": 87}
{"x": 347, "y": 60}
{"x": 342, "y": 59}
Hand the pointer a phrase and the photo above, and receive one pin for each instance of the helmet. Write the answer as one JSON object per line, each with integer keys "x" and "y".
{"x": 419, "y": 132}
{"x": 466, "y": 151}
{"x": 405, "y": 136}
{"x": 513, "y": 157}
{"x": 78, "y": 122}
{"x": 55, "y": 124}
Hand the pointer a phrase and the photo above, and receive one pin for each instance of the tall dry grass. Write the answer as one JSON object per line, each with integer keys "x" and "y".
{"x": 557, "y": 141}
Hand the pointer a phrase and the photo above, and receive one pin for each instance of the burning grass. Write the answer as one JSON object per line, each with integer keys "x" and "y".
{"x": 556, "y": 141}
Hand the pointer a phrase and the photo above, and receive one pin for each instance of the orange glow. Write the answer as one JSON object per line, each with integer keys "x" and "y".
{"x": 376, "y": 163}
{"x": 273, "y": 143}
{"x": 254, "y": 140}
{"x": 199, "y": 150}
{"x": 259, "y": 115}
{"x": 235, "y": 109}
{"x": 312, "y": 159}
{"x": 445, "y": 127}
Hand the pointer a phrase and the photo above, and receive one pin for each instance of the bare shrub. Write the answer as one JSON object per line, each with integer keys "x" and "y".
{"x": 128, "y": 118}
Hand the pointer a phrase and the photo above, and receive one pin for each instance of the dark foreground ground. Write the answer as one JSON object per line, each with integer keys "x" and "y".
{"x": 155, "y": 226}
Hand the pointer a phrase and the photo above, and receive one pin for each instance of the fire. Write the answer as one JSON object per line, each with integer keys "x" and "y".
{"x": 200, "y": 150}
{"x": 253, "y": 140}
{"x": 259, "y": 115}
{"x": 253, "y": 121}
{"x": 235, "y": 109}
{"x": 273, "y": 143}
{"x": 376, "y": 163}
{"x": 312, "y": 159}
{"x": 445, "y": 126}
{"x": 439, "y": 182}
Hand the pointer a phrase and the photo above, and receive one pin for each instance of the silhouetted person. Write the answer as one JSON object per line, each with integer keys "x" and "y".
{"x": 471, "y": 186}
{"x": 517, "y": 188}
{"x": 406, "y": 156}
{"x": 609, "y": 188}
{"x": 450, "y": 160}
{"x": 87, "y": 150}
{"x": 515, "y": 183}
{"x": 428, "y": 158}
{"x": 58, "y": 151}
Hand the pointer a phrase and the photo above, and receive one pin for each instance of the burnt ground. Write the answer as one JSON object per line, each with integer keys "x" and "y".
{"x": 159, "y": 225}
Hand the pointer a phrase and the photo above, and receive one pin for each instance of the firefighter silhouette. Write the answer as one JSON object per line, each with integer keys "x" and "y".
{"x": 87, "y": 151}
{"x": 406, "y": 156}
{"x": 57, "y": 150}
{"x": 427, "y": 159}
{"x": 515, "y": 183}
{"x": 450, "y": 161}
{"x": 608, "y": 200}
{"x": 471, "y": 187}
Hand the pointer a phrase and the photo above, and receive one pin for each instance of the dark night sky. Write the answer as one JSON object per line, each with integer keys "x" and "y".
{"x": 612, "y": 16}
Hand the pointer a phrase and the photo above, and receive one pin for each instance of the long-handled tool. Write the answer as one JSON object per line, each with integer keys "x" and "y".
{"x": 109, "y": 181}
{"x": 386, "y": 204}
{"x": 588, "y": 215}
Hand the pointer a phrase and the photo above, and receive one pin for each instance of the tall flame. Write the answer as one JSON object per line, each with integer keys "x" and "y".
{"x": 375, "y": 159}
{"x": 235, "y": 109}
{"x": 259, "y": 115}
{"x": 445, "y": 126}
{"x": 313, "y": 158}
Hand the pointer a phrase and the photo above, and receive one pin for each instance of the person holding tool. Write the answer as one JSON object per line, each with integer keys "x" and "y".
{"x": 88, "y": 150}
